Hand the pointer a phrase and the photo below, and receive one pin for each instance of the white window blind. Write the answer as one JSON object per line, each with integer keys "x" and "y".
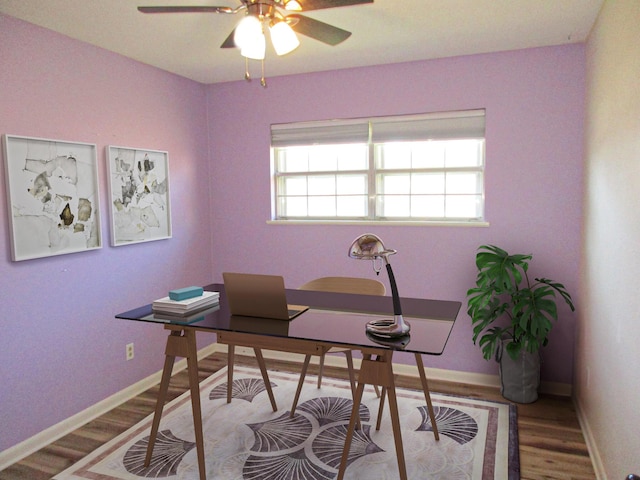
{"x": 319, "y": 133}
{"x": 449, "y": 126}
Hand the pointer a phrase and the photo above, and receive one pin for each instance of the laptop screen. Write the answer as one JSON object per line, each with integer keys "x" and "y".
{"x": 255, "y": 295}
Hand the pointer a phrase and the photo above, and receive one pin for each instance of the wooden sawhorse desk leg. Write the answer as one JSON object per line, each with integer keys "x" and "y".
{"x": 427, "y": 397}
{"x": 180, "y": 343}
{"x": 261, "y": 364}
{"x": 376, "y": 372}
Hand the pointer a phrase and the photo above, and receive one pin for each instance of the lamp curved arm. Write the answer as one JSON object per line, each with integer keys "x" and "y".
{"x": 397, "y": 308}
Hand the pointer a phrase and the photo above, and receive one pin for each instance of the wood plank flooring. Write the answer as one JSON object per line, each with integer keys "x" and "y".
{"x": 552, "y": 445}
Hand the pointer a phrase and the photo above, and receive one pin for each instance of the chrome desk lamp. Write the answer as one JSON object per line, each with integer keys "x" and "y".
{"x": 370, "y": 247}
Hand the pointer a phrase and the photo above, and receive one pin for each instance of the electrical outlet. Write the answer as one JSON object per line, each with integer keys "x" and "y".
{"x": 129, "y": 351}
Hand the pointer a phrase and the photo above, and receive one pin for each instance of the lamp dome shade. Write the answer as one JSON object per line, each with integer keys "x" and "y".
{"x": 368, "y": 247}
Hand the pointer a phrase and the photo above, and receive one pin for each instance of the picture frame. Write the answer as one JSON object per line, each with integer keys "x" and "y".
{"x": 139, "y": 198}
{"x": 53, "y": 196}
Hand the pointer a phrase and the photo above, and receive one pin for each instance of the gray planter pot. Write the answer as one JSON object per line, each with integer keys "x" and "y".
{"x": 519, "y": 378}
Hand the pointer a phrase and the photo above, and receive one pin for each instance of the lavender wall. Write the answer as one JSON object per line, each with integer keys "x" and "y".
{"x": 534, "y": 111}
{"x": 61, "y": 350}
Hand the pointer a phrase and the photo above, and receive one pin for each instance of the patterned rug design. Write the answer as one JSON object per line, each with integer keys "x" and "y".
{"x": 246, "y": 440}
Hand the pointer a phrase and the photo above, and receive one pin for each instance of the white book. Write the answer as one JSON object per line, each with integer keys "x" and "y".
{"x": 165, "y": 304}
{"x": 189, "y": 317}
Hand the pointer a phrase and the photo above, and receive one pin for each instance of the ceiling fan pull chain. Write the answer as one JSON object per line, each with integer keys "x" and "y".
{"x": 263, "y": 81}
{"x": 247, "y": 77}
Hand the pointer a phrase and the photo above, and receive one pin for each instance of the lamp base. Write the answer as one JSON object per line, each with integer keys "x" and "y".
{"x": 397, "y": 343}
{"x": 389, "y": 328}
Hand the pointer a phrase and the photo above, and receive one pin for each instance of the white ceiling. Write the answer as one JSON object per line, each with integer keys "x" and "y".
{"x": 387, "y": 31}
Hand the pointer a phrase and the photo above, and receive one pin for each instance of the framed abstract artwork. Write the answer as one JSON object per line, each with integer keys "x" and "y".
{"x": 139, "y": 195}
{"x": 53, "y": 198}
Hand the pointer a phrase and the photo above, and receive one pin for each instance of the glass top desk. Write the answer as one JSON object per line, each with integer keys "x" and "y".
{"x": 312, "y": 333}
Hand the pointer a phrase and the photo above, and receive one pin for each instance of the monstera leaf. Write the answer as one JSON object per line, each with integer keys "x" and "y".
{"x": 504, "y": 304}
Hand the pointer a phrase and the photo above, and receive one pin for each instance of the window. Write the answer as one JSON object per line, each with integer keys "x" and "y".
{"x": 426, "y": 168}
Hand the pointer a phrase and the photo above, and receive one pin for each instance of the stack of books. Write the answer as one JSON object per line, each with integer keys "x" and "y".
{"x": 186, "y": 301}
{"x": 196, "y": 316}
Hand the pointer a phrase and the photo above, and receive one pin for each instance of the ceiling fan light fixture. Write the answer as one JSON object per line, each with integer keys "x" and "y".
{"x": 283, "y": 37}
{"x": 248, "y": 30}
{"x": 255, "y": 49}
{"x": 292, "y": 6}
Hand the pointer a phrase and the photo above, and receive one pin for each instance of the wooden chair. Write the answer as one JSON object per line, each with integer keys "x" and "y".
{"x": 363, "y": 286}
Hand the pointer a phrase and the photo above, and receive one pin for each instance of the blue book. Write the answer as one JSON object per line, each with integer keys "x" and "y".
{"x": 185, "y": 293}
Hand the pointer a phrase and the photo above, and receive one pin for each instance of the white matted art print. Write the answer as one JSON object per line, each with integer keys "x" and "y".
{"x": 53, "y": 198}
{"x": 139, "y": 195}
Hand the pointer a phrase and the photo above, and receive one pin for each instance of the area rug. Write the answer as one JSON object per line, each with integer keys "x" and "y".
{"x": 246, "y": 440}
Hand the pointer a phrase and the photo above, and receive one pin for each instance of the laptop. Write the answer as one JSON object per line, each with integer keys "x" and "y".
{"x": 254, "y": 295}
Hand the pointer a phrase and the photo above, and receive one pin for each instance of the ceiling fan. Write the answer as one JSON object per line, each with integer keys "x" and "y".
{"x": 261, "y": 15}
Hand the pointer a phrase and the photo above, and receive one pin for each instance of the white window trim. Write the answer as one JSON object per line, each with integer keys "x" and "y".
{"x": 390, "y": 223}
{"x": 333, "y": 131}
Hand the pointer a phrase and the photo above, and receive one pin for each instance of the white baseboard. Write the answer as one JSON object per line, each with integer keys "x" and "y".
{"x": 59, "y": 430}
{"x": 53, "y": 433}
{"x": 480, "y": 379}
{"x": 594, "y": 453}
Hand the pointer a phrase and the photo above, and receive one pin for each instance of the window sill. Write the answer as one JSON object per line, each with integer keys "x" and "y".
{"x": 379, "y": 223}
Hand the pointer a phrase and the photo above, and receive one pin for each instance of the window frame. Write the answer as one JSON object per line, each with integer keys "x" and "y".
{"x": 446, "y": 125}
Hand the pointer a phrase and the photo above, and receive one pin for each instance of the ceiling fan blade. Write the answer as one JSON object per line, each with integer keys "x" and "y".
{"x": 186, "y": 9}
{"x": 229, "y": 42}
{"x": 318, "y": 30}
{"x": 320, "y": 4}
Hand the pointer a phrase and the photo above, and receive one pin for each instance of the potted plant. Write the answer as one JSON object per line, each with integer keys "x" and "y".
{"x": 510, "y": 313}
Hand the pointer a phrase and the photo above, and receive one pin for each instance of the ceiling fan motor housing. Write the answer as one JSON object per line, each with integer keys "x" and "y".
{"x": 263, "y": 9}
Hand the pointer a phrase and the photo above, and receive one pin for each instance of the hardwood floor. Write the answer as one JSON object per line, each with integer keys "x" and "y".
{"x": 552, "y": 445}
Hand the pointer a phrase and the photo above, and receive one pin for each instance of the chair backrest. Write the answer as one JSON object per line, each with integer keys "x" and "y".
{"x": 363, "y": 286}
